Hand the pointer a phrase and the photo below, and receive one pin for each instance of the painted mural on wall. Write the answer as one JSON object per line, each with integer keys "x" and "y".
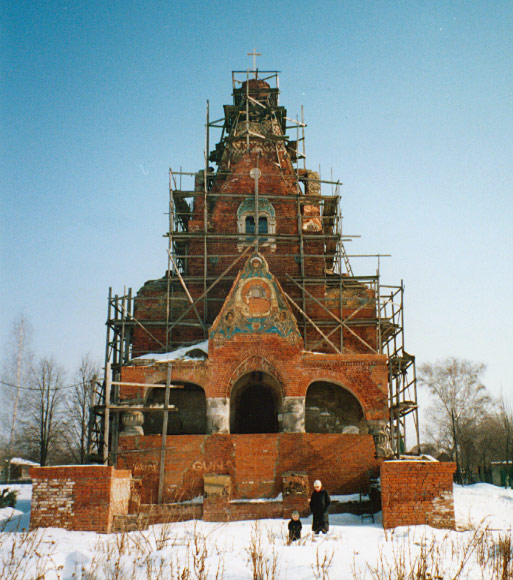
{"x": 255, "y": 305}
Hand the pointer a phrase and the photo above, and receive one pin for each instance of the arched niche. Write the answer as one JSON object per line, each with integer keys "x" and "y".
{"x": 255, "y": 404}
{"x": 189, "y": 415}
{"x": 329, "y": 408}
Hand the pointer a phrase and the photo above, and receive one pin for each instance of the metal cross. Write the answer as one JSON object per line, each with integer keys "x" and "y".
{"x": 254, "y": 54}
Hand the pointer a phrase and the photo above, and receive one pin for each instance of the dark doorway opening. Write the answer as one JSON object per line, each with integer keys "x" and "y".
{"x": 255, "y": 404}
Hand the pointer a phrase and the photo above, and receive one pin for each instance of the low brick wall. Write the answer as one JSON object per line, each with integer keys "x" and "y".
{"x": 88, "y": 497}
{"x": 417, "y": 492}
{"x": 342, "y": 461}
{"x": 150, "y": 514}
{"x": 221, "y": 509}
{"x": 78, "y": 497}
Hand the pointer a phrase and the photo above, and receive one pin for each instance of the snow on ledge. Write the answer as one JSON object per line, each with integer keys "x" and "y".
{"x": 279, "y": 497}
{"x": 21, "y": 461}
{"x": 350, "y": 497}
{"x": 183, "y": 353}
{"x": 194, "y": 501}
{"x": 414, "y": 458}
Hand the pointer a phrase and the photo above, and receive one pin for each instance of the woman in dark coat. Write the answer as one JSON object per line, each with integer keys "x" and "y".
{"x": 319, "y": 506}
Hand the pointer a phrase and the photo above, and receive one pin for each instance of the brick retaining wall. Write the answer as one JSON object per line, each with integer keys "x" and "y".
{"x": 417, "y": 492}
{"x": 342, "y": 461}
{"x": 78, "y": 497}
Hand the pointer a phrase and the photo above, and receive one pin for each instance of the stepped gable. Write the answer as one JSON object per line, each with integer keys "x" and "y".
{"x": 255, "y": 305}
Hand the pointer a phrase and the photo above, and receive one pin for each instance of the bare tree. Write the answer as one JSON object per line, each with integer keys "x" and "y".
{"x": 506, "y": 421}
{"x": 15, "y": 374}
{"x": 460, "y": 401}
{"x": 43, "y": 410}
{"x": 78, "y": 402}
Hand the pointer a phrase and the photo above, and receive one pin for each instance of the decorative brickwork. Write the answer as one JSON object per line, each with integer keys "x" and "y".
{"x": 78, "y": 497}
{"x": 296, "y": 493}
{"x": 295, "y": 484}
{"x": 299, "y": 237}
{"x": 417, "y": 492}
{"x": 215, "y": 485}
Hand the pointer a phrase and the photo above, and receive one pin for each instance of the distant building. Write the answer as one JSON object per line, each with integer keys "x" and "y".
{"x": 17, "y": 469}
{"x": 502, "y": 473}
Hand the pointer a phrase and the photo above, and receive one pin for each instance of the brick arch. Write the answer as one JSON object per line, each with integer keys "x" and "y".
{"x": 190, "y": 417}
{"x": 329, "y": 379}
{"x": 250, "y": 364}
{"x": 330, "y": 407}
{"x": 256, "y": 403}
{"x": 373, "y": 400}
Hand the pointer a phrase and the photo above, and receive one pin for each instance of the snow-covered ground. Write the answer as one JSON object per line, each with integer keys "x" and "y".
{"x": 355, "y": 548}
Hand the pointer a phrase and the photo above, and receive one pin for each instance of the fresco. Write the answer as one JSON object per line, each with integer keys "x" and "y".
{"x": 255, "y": 305}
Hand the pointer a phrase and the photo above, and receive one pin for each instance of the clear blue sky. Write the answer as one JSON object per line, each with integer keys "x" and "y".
{"x": 409, "y": 102}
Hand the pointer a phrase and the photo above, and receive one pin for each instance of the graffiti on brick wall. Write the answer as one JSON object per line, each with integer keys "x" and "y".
{"x": 218, "y": 466}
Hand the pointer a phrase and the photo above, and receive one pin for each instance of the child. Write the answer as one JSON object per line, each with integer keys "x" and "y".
{"x": 295, "y": 527}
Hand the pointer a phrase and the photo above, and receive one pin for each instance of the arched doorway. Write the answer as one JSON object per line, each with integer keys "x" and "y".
{"x": 189, "y": 415}
{"x": 329, "y": 408}
{"x": 255, "y": 403}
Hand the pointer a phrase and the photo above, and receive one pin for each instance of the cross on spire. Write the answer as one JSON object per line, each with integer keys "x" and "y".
{"x": 254, "y": 54}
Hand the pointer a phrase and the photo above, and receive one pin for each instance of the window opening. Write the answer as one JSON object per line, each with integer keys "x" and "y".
{"x": 262, "y": 225}
{"x": 246, "y": 222}
{"x": 250, "y": 224}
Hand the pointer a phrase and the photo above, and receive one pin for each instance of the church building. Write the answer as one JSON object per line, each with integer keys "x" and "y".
{"x": 259, "y": 362}
{"x": 259, "y": 355}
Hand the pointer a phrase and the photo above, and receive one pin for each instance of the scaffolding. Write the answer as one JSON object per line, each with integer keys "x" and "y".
{"x": 384, "y": 313}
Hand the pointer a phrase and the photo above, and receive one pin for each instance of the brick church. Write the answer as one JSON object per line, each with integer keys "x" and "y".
{"x": 272, "y": 349}
{"x": 259, "y": 361}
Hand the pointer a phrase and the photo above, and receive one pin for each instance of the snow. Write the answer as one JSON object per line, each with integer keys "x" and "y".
{"x": 17, "y": 518}
{"x": 21, "y": 461}
{"x": 279, "y": 497}
{"x": 473, "y": 506}
{"x": 178, "y": 354}
{"x": 355, "y": 546}
{"x": 195, "y": 500}
{"x": 349, "y": 497}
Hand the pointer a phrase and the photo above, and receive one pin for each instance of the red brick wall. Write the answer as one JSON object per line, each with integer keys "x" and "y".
{"x": 341, "y": 461}
{"x": 151, "y": 304}
{"x": 157, "y": 514}
{"x": 417, "y": 492}
{"x": 214, "y": 509}
{"x": 221, "y": 509}
{"x": 223, "y": 217}
{"x": 78, "y": 497}
{"x": 365, "y": 376}
{"x": 231, "y": 185}
{"x": 280, "y": 186}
